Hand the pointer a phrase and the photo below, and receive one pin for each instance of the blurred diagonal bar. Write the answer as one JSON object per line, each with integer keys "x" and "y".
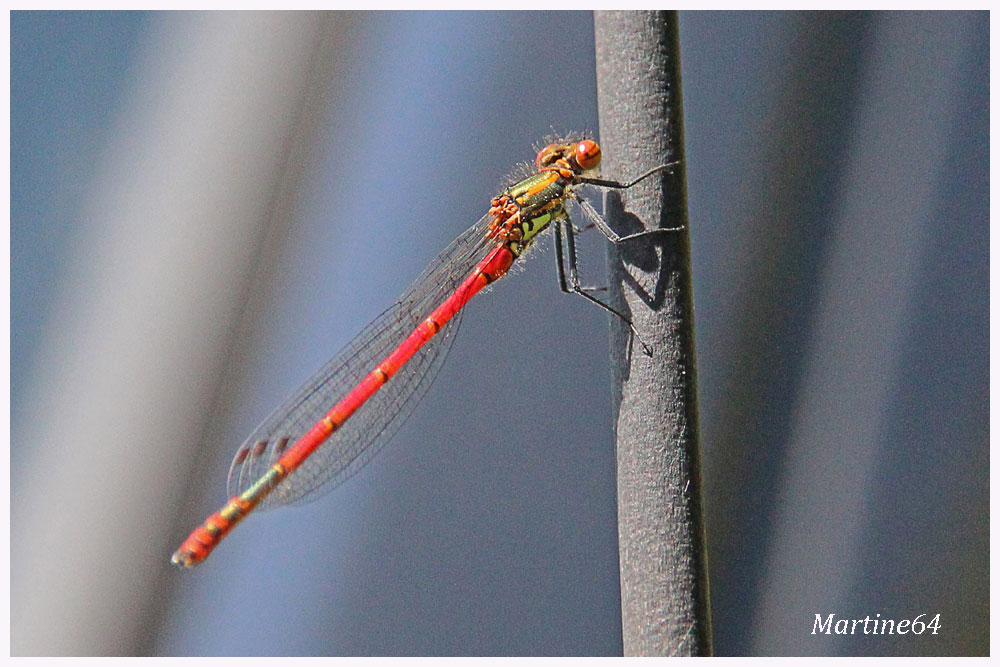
{"x": 199, "y": 168}
{"x": 664, "y": 583}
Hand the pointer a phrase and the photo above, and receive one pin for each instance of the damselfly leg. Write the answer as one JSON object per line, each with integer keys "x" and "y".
{"x": 567, "y": 266}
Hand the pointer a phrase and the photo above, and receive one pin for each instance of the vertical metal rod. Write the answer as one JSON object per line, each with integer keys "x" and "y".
{"x": 663, "y": 564}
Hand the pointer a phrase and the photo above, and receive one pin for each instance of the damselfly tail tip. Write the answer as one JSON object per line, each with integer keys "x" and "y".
{"x": 183, "y": 558}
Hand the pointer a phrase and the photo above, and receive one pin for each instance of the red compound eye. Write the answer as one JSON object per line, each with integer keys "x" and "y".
{"x": 547, "y": 155}
{"x": 588, "y": 154}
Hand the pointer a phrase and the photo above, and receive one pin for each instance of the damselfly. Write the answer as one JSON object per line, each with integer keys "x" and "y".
{"x": 306, "y": 446}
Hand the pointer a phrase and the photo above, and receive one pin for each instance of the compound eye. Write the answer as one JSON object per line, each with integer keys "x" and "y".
{"x": 548, "y": 155}
{"x": 588, "y": 154}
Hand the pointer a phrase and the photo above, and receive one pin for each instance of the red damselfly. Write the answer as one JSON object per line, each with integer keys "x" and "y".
{"x": 353, "y": 405}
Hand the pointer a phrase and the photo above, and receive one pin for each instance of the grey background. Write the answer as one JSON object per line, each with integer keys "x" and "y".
{"x": 205, "y": 206}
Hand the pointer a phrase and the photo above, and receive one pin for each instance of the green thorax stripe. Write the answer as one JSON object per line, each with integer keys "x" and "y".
{"x": 540, "y": 208}
{"x": 519, "y": 189}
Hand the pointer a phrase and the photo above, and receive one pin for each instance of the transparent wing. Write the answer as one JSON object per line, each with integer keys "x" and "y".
{"x": 375, "y": 422}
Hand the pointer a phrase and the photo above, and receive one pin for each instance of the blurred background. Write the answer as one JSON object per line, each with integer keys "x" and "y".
{"x": 206, "y": 206}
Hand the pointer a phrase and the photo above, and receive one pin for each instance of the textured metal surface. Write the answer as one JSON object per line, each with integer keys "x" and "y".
{"x": 661, "y": 534}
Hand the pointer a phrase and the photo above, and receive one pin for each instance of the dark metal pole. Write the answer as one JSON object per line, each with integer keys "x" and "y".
{"x": 664, "y": 582}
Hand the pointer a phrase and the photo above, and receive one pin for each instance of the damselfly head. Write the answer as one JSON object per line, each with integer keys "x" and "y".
{"x": 585, "y": 155}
